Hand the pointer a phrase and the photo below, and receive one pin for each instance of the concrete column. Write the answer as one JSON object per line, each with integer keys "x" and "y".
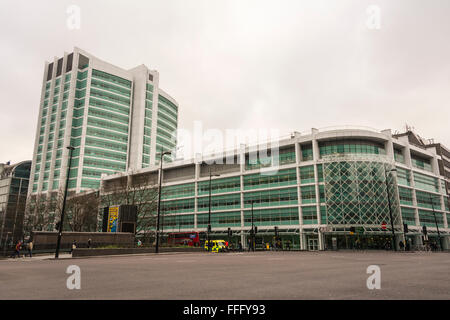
{"x": 414, "y": 198}
{"x": 316, "y": 188}
{"x": 315, "y": 145}
{"x": 297, "y": 153}
{"x": 303, "y": 244}
{"x": 434, "y": 161}
{"x": 299, "y": 201}
{"x": 321, "y": 245}
{"x": 445, "y": 242}
{"x": 388, "y": 145}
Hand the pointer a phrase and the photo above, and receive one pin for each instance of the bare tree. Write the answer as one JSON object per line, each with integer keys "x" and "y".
{"x": 42, "y": 211}
{"x": 81, "y": 212}
{"x": 139, "y": 191}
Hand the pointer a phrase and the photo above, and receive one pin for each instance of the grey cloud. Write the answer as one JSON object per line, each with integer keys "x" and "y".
{"x": 289, "y": 65}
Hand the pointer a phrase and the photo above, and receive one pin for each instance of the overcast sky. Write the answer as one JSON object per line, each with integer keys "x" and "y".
{"x": 287, "y": 65}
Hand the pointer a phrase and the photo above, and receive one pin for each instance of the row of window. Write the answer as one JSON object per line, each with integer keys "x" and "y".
{"x": 266, "y": 217}
{"x": 111, "y": 78}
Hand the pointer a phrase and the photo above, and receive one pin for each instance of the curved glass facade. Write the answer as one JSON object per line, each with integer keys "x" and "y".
{"x": 357, "y": 191}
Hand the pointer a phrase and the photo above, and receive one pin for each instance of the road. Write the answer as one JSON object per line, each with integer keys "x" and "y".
{"x": 260, "y": 275}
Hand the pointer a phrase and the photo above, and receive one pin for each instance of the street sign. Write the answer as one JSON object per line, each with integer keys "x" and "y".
{"x": 383, "y": 226}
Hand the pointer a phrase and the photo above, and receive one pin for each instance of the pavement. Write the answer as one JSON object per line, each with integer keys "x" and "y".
{"x": 231, "y": 276}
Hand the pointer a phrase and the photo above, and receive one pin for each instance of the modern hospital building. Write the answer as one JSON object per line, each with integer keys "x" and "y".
{"x": 117, "y": 120}
{"x": 331, "y": 188}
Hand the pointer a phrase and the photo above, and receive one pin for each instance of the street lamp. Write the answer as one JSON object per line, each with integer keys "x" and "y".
{"x": 61, "y": 221}
{"x": 209, "y": 211}
{"x": 435, "y": 222}
{"x": 253, "y": 231}
{"x": 159, "y": 197}
{"x": 389, "y": 204}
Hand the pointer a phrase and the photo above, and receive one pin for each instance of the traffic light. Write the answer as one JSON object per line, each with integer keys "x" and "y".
{"x": 230, "y": 233}
{"x": 209, "y": 228}
{"x": 424, "y": 230}
{"x": 57, "y": 225}
{"x": 276, "y": 231}
{"x": 256, "y": 229}
{"x": 405, "y": 228}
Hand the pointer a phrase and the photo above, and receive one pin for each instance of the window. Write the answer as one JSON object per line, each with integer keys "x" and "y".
{"x": 308, "y": 194}
{"x": 421, "y": 163}
{"x": 408, "y": 216}
{"x": 405, "y": 195}
{"x": 307, "y": 174}
{"x": 283, "y": 178}
{"x": 276, "y": 197}
{"x": 270, "y": 217}
{"x": 425, "y": 182}
{"x": 307, "y": 152}
{"x": 309, "y": 215}
{"x": 350, "y": 146}
{"x": 398, "y": 156}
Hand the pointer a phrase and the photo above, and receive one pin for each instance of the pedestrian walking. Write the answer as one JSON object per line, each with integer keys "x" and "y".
{"x": 240, "y": 246}
{"x": 89, "y": 243}
{"x": 401, "y": 245}
{"x": 288, "y": 245}
{"x": 17, "y": 249}
{"x": 30, "y": 249}
{"x": 74, "y": 246}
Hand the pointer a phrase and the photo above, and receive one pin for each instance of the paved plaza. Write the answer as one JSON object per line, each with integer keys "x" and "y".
{"x": 260, "y": 275}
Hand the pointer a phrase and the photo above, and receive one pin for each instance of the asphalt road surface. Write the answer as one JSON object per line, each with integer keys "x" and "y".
{"x": 260, "y": 275}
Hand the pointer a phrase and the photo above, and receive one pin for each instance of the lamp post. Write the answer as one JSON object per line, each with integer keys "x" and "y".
{"x": 209, "y": 210}
{"x": 253, "y": 231}
{"x": 61, "y": 221}
{"x": 389, "y": 204}
{"x": 435, "y": 222}
{"x": 159, "y": 198}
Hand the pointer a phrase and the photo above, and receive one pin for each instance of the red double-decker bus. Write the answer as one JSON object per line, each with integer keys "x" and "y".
{"x": 193, "y": 238}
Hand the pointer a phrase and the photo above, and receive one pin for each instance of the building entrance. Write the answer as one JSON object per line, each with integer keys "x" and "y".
{"x": 313, "y": 243}
{"x": 358, "y": 242}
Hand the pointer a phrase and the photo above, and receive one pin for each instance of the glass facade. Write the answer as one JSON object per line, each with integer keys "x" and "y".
{"x": 348, "y": 183}
{"x": 167, "y": 123}
{"x": 88, "y": 105}
{"x": 14, "y": 182}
